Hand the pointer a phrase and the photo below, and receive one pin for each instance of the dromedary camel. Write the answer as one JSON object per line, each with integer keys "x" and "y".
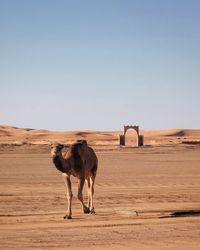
{"x": 79, "y": 161}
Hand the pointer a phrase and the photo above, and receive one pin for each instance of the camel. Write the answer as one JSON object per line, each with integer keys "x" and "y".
{"x": 79, "y": 161}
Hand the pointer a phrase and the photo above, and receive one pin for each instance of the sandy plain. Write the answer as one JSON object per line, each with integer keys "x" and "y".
{"x": 155, "y": 180}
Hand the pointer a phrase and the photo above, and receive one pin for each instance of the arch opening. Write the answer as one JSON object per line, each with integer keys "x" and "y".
{"x": 131, "y": 138}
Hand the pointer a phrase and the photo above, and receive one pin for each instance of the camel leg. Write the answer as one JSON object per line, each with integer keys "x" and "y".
{"x": 80, "y": 194}
{"x": 67, "y": 182}
{"x": 88, "y": 191}
{"x": 92, "y": 178}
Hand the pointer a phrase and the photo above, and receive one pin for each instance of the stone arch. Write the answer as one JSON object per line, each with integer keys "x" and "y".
{"x": 122, "y": 138}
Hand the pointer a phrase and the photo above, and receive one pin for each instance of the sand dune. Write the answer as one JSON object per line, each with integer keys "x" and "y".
{"x": 172, "y": 132}
{"x": 14, "y": 135}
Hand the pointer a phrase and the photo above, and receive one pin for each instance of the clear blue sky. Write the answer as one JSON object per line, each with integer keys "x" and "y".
{"x": 100, "y": 64}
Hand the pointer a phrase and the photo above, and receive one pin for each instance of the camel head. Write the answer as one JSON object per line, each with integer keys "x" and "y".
{"x": 56, "y": 149}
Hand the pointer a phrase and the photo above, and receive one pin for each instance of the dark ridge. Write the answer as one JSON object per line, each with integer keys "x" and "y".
{"x": 83, "y": 134}
{"x": 29, "y": 129}
{"x": 180, "y": 133}
{"x": 7, "y": 195}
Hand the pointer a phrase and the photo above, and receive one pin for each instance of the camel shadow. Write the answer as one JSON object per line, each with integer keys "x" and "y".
{"x": 182, "y": 213}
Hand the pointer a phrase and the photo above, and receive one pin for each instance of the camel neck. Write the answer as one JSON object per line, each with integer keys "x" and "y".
{"x": 58, "y": 163}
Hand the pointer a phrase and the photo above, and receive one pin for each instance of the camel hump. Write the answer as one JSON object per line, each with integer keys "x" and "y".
{"x": 76, "y": 150}
{"x": 81, "y": 141}
{"x": 78, "y": 145}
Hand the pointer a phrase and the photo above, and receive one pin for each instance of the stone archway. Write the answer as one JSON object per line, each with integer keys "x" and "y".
{"x": 122, "y": 138}
{"x": 136, "y": 128}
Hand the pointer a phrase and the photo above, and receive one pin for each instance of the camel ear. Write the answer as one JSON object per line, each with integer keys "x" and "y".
{"x": 52, "y": 145}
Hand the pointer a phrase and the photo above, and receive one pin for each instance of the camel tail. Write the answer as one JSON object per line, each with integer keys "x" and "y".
{"x": 94, "y": 169}
{"x": 95, "y": 162}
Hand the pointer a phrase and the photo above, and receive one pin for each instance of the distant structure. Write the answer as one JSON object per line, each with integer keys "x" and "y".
{"x": 140, "y": 138}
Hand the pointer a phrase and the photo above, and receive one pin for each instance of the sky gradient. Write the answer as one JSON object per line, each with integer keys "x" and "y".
{"x": 100, "y": 64}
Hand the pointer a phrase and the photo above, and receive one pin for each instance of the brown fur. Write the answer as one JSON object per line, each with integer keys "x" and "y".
{"x": 80, "y": 161}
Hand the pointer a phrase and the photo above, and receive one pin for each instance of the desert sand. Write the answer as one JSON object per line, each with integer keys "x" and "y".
{"x": 160, "y": 181}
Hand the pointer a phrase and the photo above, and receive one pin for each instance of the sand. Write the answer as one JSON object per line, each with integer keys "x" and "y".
{"x": 154, "y": 180}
